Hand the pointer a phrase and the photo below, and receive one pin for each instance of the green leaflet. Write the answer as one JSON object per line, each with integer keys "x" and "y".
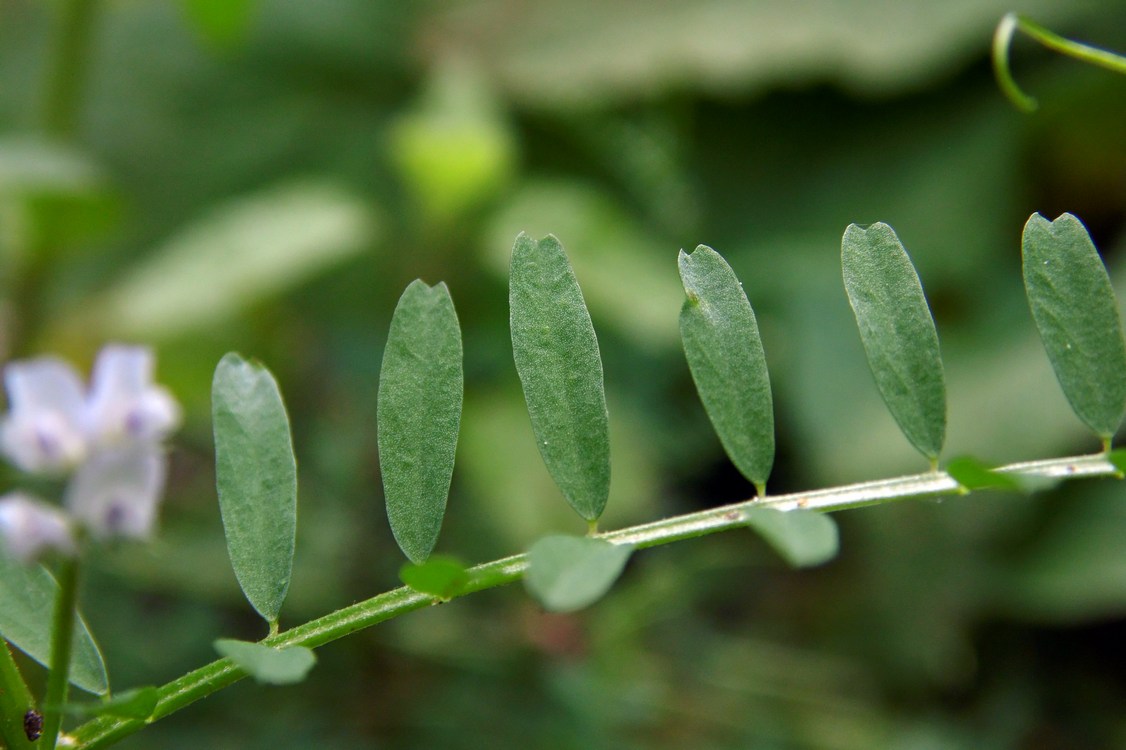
{"x": 804, "y": 538}
{"x": 273, "y": 666}
{"x": 1076, "y": 313}
{"x": 724, "y": 351}
{"x": 566, "y": 573}
{"x": 440, "y": 576}
{"x": 898, "y": 333}
{"x": 256, "y": 475}
{"x": 557, "y": 358}
{"x": 27, "y": 602}
{"x": 419, "y": 414}
{"x": 138, "y": 703}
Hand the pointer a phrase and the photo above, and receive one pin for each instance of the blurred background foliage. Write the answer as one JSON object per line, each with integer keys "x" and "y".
{"x": 267, "y": 176}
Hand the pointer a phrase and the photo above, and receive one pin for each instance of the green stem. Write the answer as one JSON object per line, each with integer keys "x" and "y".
{"x": 104, "y": 731}
{"x": 65, "y": 71}
{"x": 1002, "y": 39}
{"x": 62, "y": 638}
{"x": 15, "y": 701}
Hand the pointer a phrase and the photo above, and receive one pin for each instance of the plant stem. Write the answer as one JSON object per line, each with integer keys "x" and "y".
{"x": 65, "y": 71}
{"x": 15, "y": 701}
{"x": 62, "y": 638}
{"x": 104, "y": 731}
{"x": 1002, "y": 38}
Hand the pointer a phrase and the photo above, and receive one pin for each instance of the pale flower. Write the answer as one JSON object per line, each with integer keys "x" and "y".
{"x": 124, "y": 405}
{"x": 108, "y": 438}
{"x": 116, "y": 492}
{"x": 45, "y": 432}
{"x": 29, "y": 527}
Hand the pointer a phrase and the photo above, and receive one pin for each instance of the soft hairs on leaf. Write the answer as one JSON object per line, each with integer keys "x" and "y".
{"x": 898, "y": 333}
{"x": 724, "y": 351}
{"x": 560, "y": 369}
{"x": 1076, "y": 313}
{"x": 256, "y": 475}
{"x": 421, "y": 389}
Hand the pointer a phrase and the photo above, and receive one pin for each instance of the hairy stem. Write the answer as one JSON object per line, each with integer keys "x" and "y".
{"x": 1002, "y": 38}
{"x": 208, "y": 679}
{"x": 62, "y": 638}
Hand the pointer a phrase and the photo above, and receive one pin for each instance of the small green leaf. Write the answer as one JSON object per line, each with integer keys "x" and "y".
{"x": 256, "y": 474}
{"x": 440, "y": 576}
{"x": 273, "y": 666}
{"x": 1076, "y": 313}
{"x": 724, "y": 351}
{"x": 566, "y": 573}
{"x": 977, "y": 475}
{"x": 973, "y": 474}
{"x": 804, "y": 538}
{"x": 1118, "y": 459}
{"x": 236, "y": 255}
{"x": 27, "y": 602}
{"x": 419, "y": 415}
{"x": 138, "y": 703}
{"x": 898, "y": 333}
{"x": 560, "y": 368}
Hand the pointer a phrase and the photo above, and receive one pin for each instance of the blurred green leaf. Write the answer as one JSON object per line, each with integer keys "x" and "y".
{"x": 33, "y": 166}
{"x": 440, "y": 576}
{"x": 724, "y": 350}
{"x": 634, "y": 48}
{"x": 1076, "y": 313}
{"x": 898, "y": 332}
{"x": 974, "y": 474}
{"x": 239, "y": 253}
{"x": 268, "y": 665}
{"x": 803, "y": 538}
{"x": 138, "y": 703}
{"x": 27, "y": 602}
{"x": 420, "y": 399}
{"x": 978, "y": 475}
{"x": 220, "y": 21}
{"x": 566, "y": 573}
{"x": 256, "y": 475}
{"x": 557, "y": 358}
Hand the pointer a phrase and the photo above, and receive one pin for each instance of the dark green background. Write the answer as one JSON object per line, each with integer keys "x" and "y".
{"x": 419, "y": 138}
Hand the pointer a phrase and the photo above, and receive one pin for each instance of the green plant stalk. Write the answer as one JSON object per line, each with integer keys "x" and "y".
{"x": 15, "y": 701}
{"x": 65, "y": 70}
{"x": 1002, "y": 38}
{"x": 104, "y": 731}
{"x": 62, "y": 639}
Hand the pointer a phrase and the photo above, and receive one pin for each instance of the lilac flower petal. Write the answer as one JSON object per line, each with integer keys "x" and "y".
{"x": 28, "y": 528}
{"x": 44, "y": 430}
{"x": 116, "y": 492}
{"x": 124, "y": 403}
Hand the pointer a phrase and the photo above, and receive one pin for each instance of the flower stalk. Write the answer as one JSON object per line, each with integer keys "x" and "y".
{"x": 62, "y": 638}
